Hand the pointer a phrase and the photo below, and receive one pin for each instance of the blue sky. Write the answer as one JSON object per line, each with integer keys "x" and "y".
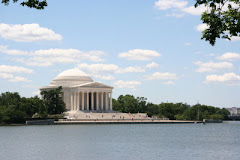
{"x": 145, "y": 48}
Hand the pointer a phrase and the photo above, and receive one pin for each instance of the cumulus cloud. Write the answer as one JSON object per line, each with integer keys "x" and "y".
{"x": 103, "y": 77}
{"x": 139, "y": 55}
{"x": 126, "y": 84}
{"x": 169, "y": 83}
{"x": 195, "y": 11}
{"x": 162, "y": 76}
{"x": 227, "y": 78}
{"x": 19, "y": 79}
{"x": 12, "y": 78}
{"x": 98, "y": 70}
{"x": 229, "y": 56}
{"x": 179, "y": 7}
{"x": 6, "y": 76}
{"x": 187, "y": 44}
{"x": 168, "y": 4}
{"x": 14, "y": 69}
{"x": 50, "y": 56}
{"x": 212, "y": 67}
{"x": 201, "y": 27}
{"x": 235, "y": 38}
{"x": 28, "y": 33}
{"x": 152, "y": 65}
{"x": 108, "y": 68}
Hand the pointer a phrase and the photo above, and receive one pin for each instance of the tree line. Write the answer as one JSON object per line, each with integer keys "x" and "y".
{"x": 17, "y": 109}
{"x": 173, "y": 111}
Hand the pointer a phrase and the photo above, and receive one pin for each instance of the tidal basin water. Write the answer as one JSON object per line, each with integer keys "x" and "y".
{"x": 124, "y": 142}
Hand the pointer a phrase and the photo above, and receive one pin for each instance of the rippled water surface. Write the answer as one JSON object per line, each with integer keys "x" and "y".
{"x": 126, "y": 142}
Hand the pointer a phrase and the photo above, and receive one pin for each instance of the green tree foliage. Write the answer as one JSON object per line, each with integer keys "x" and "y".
{"x": 222, "y": 18}
{"x": 179, "y": 111}
{"x": 53, "y": 101}
{"x": 37, "y": 4}
{"x": 16, "y": 109}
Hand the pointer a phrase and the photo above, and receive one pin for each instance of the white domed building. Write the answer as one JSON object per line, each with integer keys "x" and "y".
{"x": 81, "y": 93}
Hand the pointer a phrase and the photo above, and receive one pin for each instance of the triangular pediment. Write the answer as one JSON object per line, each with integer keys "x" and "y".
{"x": 93, "y": 85}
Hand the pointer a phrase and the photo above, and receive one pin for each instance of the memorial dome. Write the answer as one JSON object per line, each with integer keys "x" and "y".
{"x": 71, "y": 78}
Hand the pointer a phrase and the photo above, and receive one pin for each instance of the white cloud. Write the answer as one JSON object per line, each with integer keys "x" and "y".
{"x": 212, "y": 67}
{"x": 103, "y": 77}
{"x": 6, "y": 76}
{"x": 14, "y": 69}
{"x": 201, "y": 27}
{"x": 50, "y": 56}
{"x": 169, "y": 83}
{"x": 139, "y": 54}
{"x": 179, "y": 8}
{"x": 227, "y": 78}
{"x": 168, "y": 4}
{"x": 187, "y": 44}
{"x": 235, "y": 38}
{"x": 229, "y": 56}
{"x": 162, "y": 76}
{"x": 108, "y": 68}
{"x": 195, "y": 11}
{"x": 12, "y": 78}
{"x": 19, "y": 79}
{"x": 152, "y": 65}
{"x": 131, "y": 69}
{"x": 28, "y": 33}
{"x": 106, "y": 71}
{"x": 126, "y": 84}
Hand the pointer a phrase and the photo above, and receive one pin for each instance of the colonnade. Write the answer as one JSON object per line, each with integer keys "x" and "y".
{"x": 83, "y": 100}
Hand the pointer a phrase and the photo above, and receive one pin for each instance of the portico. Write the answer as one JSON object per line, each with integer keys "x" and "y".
{"x": 91, "y": 100}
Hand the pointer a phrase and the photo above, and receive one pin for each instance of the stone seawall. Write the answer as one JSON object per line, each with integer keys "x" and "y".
{"x": 41, "y": 122}
{"x": 66, "y": 122}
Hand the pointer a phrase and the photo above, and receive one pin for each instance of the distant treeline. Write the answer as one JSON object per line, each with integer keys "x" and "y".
{"x": 173, "y": 111}
{"x": 17, "y": 109}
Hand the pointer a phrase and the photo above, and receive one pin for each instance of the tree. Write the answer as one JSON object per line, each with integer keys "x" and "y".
{"x": 37, "y": 4}
{"x": 53, "y": 101}
{"x": 222, "y": 18}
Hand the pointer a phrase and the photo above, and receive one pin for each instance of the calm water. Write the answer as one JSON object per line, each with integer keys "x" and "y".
{"x": 126, "y": 142}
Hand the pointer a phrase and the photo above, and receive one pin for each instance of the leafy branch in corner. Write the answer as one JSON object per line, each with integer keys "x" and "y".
{"x": 222, "y": 19}
{"x": 37, "y": 4}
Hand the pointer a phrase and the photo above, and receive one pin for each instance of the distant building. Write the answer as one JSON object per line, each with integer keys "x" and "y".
{"x": 234, "y": 111}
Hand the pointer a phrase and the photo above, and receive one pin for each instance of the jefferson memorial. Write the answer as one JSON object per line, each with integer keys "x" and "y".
{"x": 81, "y": 93}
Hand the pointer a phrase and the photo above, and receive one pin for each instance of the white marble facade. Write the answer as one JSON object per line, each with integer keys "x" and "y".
{"x": 80, "y": 93}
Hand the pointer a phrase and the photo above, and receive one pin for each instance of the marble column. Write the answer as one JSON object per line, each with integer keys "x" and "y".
{"x": 83, "y": 101}
{"x": 97, "y": 107}
{"x": 78, "y": 99}
{"x": 102, "y": 100}
{"x": 71, "y": 102}
{"x": 75, "y": 101}
{"x": 111, "y": 101}
{"x": 92, "y": 101}
{"x": 87, "y": 101}
{"x": 106, "y": 100}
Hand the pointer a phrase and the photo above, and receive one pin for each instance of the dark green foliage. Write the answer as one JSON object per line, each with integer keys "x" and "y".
{"x": 17, "y": 109}
{"x": 222, "y": 23}
{"x": 179, "y": 111}
{"x": 53, "y": 101}
{"x": 37, "y": 4}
